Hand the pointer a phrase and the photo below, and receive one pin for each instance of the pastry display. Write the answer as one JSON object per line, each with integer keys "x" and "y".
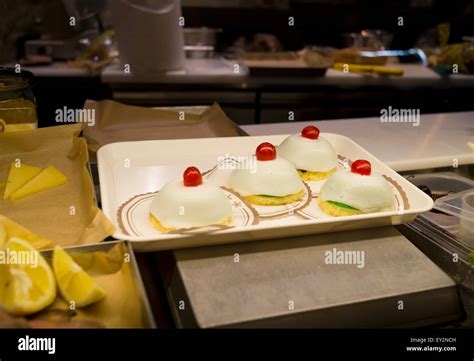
{"x": 313, "y": 156}
{"x": 273, "y": 182}
{"x": 356, "y": 191}
{"x": 190, "y": 202}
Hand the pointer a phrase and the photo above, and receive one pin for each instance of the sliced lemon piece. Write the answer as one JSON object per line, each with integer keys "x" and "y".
{"x": 74, "y": 283}
{"x": 27, "y": 283}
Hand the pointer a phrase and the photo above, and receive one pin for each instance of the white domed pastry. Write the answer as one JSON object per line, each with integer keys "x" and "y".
{"x": 313, "y": 156}
{"x": 189, "y": 202}
{"x": 274, "y": 181}
{"x": 356, "y": 192}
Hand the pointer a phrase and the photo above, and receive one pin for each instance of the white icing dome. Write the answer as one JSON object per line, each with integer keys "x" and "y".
{"x": 314, "y": 155}
{"x": 179, "y": 206}
{"x": 368, "y": 193}
{"x": 275, "y": 177}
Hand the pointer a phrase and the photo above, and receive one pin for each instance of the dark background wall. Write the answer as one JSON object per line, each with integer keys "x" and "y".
{"x": 316, "y": 21}
{"x": 26, "y": 19}
{"x": 323, "y": 22}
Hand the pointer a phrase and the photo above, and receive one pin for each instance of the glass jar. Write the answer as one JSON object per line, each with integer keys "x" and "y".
{"x": 17, "y": 102}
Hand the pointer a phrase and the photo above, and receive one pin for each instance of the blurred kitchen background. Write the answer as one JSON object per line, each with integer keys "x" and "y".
{"x": 285, "y": 52}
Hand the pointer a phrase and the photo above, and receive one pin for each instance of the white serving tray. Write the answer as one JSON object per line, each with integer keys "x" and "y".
{"x": 131, "y": 173}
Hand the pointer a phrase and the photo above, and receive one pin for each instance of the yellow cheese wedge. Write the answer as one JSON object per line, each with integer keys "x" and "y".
{"x": 48, "y": 178}
{"x": 18, "y": 176}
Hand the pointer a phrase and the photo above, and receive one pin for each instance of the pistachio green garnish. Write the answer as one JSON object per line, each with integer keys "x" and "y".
{"x": 343, "y": 205}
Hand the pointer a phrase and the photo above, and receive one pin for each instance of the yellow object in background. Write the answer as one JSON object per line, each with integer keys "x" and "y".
{"x": 444, "y": 31}
{"x": 48, "y": 178}
{"x": 27, "y": 283}
{"x": 18, "y": 176}
{"x": 74, "y": 284}
{"x": 368, "y": 69}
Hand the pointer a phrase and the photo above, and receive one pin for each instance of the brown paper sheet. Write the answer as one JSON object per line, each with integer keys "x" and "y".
{"x": 116, "y": 122}
{"x": 49, "y": 213}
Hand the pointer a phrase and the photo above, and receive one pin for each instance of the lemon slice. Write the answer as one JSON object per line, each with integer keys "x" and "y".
{"x": 74, "y": 283}
{"x": 27, "y": 283}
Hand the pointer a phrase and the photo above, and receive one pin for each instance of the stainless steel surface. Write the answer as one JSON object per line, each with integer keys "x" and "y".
{"x": 200, "y": 36}
{"x": 465, "y": 170}
{"x": 200, "y": 43}
{"x": 151, "y": 40}
{"x": 149, "y": 318}
{"x": 199, "y": 51}
{"x": 56, "y": 49}
{"x": 270, "y": 277}
{"x": 448, "y": 258}
{"x": 199, "y": 70}
{"x": 437, "y": 233}
{"x": 420, "y": 54}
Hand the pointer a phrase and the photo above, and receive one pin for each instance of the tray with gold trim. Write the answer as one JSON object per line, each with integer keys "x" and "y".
{"x": 132, "y": 173}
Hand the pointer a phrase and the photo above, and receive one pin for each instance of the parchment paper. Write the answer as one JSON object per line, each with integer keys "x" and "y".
{"x": 116, "y": 122}
{"x": 67, "y": 215}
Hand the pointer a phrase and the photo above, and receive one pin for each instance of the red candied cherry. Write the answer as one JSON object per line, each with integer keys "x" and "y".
{"x": 192, "y": 177}
{"x": 266, "y": 151}
{"x": 310, "y": 132}
{"x": 362, "y": 167}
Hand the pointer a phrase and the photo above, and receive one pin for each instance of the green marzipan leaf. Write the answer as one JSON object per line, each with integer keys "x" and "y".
{"x": 343, "y": 205}
{"x": 471, "y": 259}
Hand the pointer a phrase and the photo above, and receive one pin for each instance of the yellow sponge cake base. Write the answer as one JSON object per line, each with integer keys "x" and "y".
{"x": 336, "y": 211}
{"x": 262, "y": 200}
{"x": 157, "y": 224}
{"x": 314, "y": 176}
